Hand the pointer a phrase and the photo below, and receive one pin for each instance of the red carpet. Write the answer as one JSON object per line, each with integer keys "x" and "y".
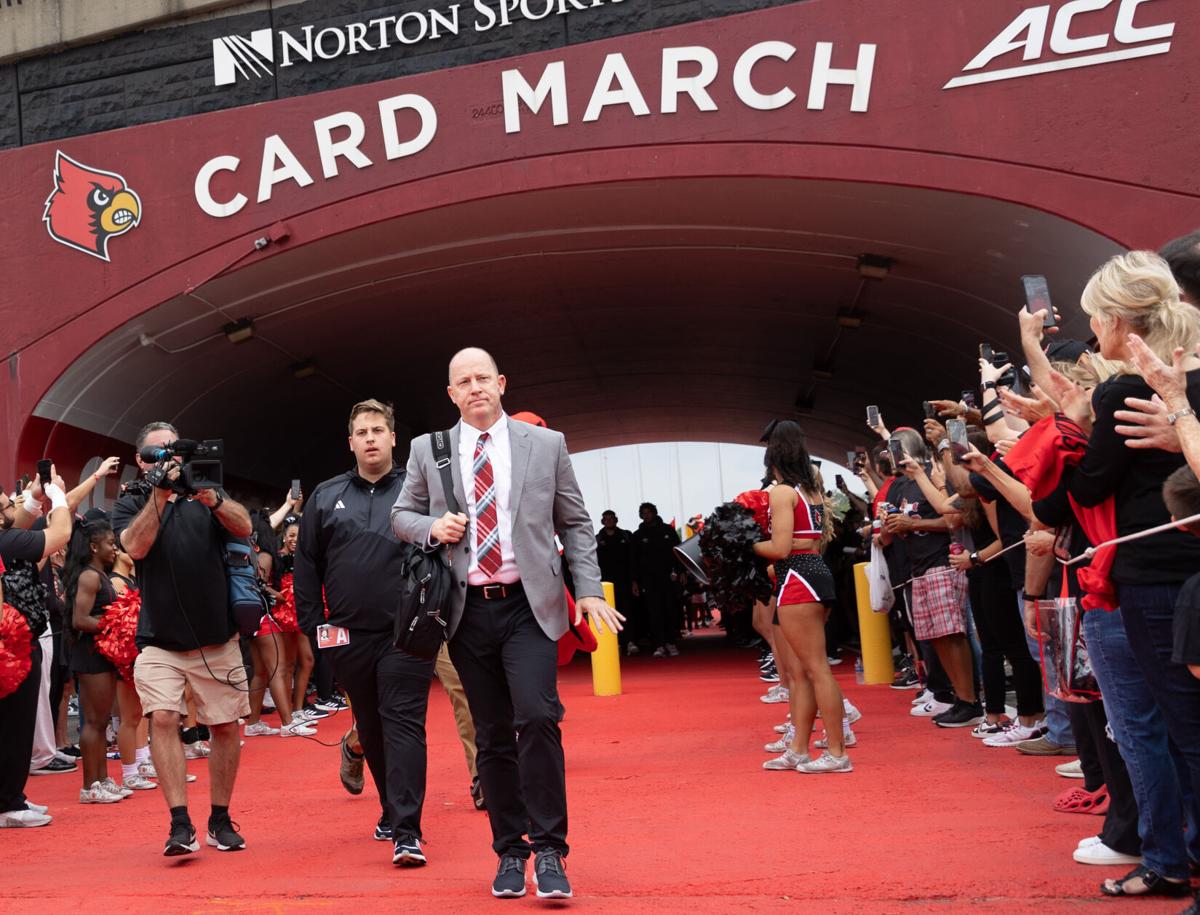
{"x": 670, "y": 812}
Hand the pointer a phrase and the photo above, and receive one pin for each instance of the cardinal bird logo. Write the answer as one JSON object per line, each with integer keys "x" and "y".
{"x": 89, "y": 206}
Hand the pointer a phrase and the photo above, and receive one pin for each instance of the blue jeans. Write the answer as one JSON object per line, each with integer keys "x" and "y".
{"x": 1148, "y": 612}
{"x": 1141, "y": 736}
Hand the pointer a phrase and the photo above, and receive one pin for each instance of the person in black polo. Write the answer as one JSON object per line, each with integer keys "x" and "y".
{"x": 186, "y": 635}
{"x": 349, "y": 559}
{"x": 614, "y": 552}
{"x": 654, "y": 578}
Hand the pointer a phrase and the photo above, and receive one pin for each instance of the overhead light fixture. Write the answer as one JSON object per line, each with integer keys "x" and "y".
{"x": 305, "y": 369}
{"x": 846, "y": 319}
{"x": 239, "y": 331}
{"x": 874, "y": 266}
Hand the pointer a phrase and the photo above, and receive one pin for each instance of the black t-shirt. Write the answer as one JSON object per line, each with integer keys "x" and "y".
{"x": 1135, "y": 476}
{"x": 185, "y": 598}
{"x": 1011, "y": 523}
{"x": 21, "y": 550}
{"x": 1055, "y": 511}
{"x": 614, "y": 552}
{"x": 925, "y": 549}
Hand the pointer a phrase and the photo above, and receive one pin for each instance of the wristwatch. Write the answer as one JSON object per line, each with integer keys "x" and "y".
{"x": 974, "y": 557}
{"x": 1179, "y": 414}
{"x": 220, "y": 500}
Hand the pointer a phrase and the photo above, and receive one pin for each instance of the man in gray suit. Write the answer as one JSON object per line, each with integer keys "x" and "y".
{"x": 509, "y": 607}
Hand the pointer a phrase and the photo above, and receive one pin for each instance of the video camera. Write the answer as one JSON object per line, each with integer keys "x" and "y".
{"x": 202, "y": 468}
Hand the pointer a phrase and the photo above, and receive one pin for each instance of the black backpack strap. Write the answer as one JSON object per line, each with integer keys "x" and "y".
{"x": 441, "y": 456}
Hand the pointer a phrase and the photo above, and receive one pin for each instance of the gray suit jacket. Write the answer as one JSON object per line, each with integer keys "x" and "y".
{"x": 545, "y": 499}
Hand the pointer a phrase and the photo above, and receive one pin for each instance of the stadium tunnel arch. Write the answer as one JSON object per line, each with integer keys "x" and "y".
{"x": 694, "y": 307}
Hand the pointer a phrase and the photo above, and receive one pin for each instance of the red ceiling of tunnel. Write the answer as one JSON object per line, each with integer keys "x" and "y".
{"x": 479, "y": 213}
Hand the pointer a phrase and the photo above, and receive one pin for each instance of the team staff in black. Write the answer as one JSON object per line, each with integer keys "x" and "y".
{"x": 18, "y": 710}
{"x": 347, "y": 548}
{"x": 186, "y": 635}
{"x": 614, "y": 552}
{"x": 516, "y": 487}
{"x": 654, "y": 578}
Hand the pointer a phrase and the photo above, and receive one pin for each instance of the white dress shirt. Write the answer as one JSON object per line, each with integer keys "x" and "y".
{"x": 499, "y": 452}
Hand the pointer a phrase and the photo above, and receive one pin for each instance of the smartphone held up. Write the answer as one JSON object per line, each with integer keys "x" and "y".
{"x": 1037, "y": 298}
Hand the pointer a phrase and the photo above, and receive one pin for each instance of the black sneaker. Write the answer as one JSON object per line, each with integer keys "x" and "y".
{"x": 181, "y": 841}
{"x": 407, "y": 853}
{"x": 510, "y": 877}
{"x": 383, "y": 830}
{"x": 223, "y": 835}
{"x": 552, "y": 880}
{"x": 477, "y": 794}
{"x": 56, "y": 766}
{"x": 960, "y": 715}
{"x": 72, "y": 750}
{"x": 313, "y": 713}
{"x": 907, "y": 679}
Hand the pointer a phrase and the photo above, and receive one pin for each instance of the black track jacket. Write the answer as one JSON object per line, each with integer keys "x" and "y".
{"x": 347, "y": 547}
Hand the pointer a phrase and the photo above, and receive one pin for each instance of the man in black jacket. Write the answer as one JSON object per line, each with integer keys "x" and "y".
{"x": 654, "y": 578}
{"x": 348, "y": 549}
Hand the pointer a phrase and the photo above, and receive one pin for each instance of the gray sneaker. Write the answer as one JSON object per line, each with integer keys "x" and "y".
{"x": 826, "y": 762}
{"x": 778, "y": 746}
{"x": 789, "y": 760}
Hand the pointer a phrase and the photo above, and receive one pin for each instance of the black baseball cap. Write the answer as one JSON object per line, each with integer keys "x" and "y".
{"x": 1066, "y": 350}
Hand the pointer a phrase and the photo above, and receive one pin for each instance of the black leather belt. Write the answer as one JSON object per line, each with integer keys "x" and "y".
{"x": 496, "y": 591}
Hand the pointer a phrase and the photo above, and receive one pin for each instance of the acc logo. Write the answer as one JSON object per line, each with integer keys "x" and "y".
{"x": 1028, "y": 33}
{"x": 88, "y": 207}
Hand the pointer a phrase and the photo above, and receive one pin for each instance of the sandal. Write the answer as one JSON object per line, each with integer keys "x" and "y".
{"x": 1080, "y": 800}
{"x": 1154, "y": 884}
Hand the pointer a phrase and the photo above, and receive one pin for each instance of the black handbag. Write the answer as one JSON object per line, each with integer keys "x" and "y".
{"x": 427, "y": 582}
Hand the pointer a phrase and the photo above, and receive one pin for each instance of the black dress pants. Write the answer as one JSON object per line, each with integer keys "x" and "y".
{"x": 18, "y": 718}
{"x": 1096, "y": 752}
{"x": 508, "y": 667}
{"x": 661, "y": 610}
{"x": 389, "y": 693}
{"x": 1001, "y": 631}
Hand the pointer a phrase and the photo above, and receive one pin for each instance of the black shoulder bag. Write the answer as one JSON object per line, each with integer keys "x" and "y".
{"x": 427, "y": 580}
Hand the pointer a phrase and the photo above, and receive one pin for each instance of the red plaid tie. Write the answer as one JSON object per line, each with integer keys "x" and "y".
{"x": 487, "y": 530}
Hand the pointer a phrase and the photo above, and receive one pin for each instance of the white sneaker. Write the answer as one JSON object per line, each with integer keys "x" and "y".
{"x": 775, "y": 694}
{"x": 1014, "y": 734}
{"x": 922, "y": 697}
{"x": 1090, "y": 840}
{"x": 789, "y": 760}
{"x": 113, "y": 788}
{"x": 259, "y": 729}
{"x": 97, "y": 794}
{"x": 297, "y": 729}
{"x": 1073, "y": 769}
{"x": 986, "y": 728}
{"x": 782, "y": 728}
{"x": 672, "y": 651}
{"x": 930, "y": 708}
{"x": 18, "y": 819}
{"x": 1101, "y": 854}
{"x": 146, "y": 770}
{"x": 848, "y": 739}
{"x": 778, "y": 746}
{"x": 197, "y": 750}
{"x": 826, "y": 762}
{"x": 137, "y": 783}
{"x": 36, "y": 808}
{"x": 659, "y": 653}
{"x": 631, "y": 649}
{"x": 852, "y": 714}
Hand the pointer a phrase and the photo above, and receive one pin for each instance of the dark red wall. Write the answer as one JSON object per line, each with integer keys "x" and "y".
{"x": 1109, "y": 147}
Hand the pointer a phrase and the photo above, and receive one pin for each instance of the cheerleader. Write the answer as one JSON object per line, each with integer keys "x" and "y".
{"x": 804, "y": 592}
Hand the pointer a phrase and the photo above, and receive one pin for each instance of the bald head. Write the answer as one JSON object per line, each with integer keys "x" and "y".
{"x": 476, "y": 387}
{"x": 471, "y": 355}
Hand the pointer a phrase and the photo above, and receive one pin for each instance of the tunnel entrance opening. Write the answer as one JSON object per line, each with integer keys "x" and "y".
{"x": 636, "y": 311}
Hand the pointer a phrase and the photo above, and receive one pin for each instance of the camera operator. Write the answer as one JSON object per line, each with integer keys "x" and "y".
{"x": 185, "y": 631}
{"x": 21, "y": 550}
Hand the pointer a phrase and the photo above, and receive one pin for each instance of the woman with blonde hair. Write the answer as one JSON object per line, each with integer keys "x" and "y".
{"x": 1135, "y": 294}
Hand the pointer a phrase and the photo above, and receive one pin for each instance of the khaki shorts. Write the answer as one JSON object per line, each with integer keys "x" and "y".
{"x": 159, "y": 676}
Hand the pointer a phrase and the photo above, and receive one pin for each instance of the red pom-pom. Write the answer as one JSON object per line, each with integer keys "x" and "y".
{"x": 16, "y": 649}
{"x": 284, "y": 611}
{"x": 116, "y": 639}
{"x": 759, "y": 502}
